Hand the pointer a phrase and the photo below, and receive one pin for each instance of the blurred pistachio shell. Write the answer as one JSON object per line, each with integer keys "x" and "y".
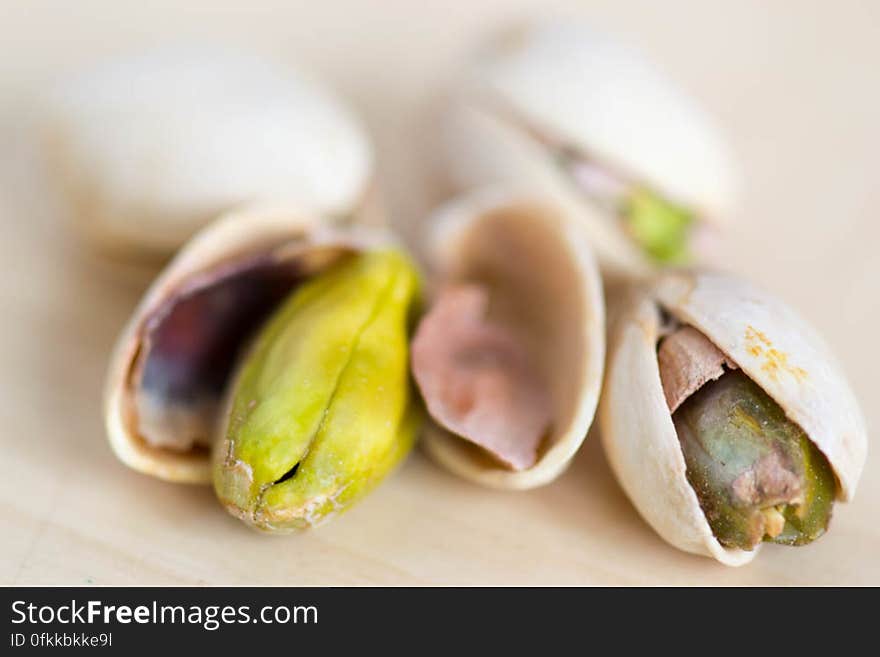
{"x": 149, "y": 148}
{"x": 769, "y": 342}
{"x": 322, "y": 410}
{"x": 544, "y": 285}
{"x": 160, "y": 416}
{"x": 538, "y": 94}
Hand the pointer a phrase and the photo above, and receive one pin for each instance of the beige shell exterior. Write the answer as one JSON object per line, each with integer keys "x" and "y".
{"x": 582, "y": 89}
{"x": 772, "y": 345}
{"x": 148, "y": 149}
{"x": 239, "y": 233}
{"x": 544, "y": 283}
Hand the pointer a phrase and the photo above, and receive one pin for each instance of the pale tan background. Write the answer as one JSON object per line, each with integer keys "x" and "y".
{"x": 794, "y": 83}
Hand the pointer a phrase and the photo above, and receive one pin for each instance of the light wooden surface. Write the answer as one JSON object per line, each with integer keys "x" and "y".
{"x": 795, "y": 85}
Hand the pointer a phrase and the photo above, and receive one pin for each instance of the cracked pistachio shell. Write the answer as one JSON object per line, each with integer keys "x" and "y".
{"x": 300, "y": 236}
{"x": 322, "y": 408}
{"x": 769, "y": 342}
{"x": 556, "y": 86}
{"x": 148, "y": 149}
{"x": 543, "y": 283}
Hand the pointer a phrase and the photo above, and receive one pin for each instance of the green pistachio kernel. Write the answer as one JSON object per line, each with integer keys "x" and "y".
{"x": 661, "y": 228}
{"x": 322, "y": 408}
{"x": 756, "y": 474}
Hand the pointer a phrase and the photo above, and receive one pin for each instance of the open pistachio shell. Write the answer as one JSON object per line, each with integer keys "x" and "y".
{"x": 171, "y": 363}
{"x": 544, "y": 287}
{"x": 544, "y": 92}
{"x": 150, "y": 148}
{"x": 766, "y": 340}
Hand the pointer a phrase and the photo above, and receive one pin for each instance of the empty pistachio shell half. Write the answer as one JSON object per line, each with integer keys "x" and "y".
{"x": 580, "y": 116}
{"x": 148, "y": 149}
{"x": 509, "y": 355}
{"x": 174, "y": 360}
{"x": 725, "y": 418}
{"x": 321, "y": 409}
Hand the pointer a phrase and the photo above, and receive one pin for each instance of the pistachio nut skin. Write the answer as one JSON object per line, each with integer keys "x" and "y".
{"x": 322, "y": 407}
{"x": 756, "y": 474}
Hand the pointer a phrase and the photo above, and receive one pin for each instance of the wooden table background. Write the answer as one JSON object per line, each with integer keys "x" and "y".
{"x": 794, "y": 83}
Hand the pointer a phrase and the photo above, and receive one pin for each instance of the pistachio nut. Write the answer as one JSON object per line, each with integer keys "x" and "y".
{"x": 509, "y": 356}
{"x": 756, "y": 474}
{"x": 572, "y": 112}
{"x": 147, "y": 149}
{"x": 321, "y": 409}
{"x": 752, "y": 430}
{"x": 174, "y": 360}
